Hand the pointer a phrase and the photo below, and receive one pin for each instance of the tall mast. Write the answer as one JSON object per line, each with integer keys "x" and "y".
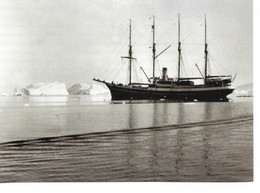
{"x": 130, "y": 53}
{"x": 179, "y": 49}
{"x": 206, "y": 52}
{"x": 154, "y": 50}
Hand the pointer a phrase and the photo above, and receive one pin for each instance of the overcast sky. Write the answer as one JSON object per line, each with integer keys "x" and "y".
{"x": 73, "y": 41}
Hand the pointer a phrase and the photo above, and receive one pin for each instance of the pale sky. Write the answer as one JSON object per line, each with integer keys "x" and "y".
{"x": 74, "y": 41}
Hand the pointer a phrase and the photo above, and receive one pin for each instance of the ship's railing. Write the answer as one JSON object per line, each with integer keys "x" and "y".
{"x": 145, "y": 84}
{"x": 173, "y": 83}
{"x": 191, "y": 78}
{"x": 221, "y": 76}
{"x": 208, "y": 77}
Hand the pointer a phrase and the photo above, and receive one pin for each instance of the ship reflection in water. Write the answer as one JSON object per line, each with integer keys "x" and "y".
{"x": 203, "y": 142}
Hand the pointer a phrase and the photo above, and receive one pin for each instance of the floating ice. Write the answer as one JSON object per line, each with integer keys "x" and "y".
{"x": 46, "y": 89}
{"x": 79, "y": 89}
{"x": 244, "y": 90}
{"x": 4, "y": 94}
{"x": 18, "y": 91}
{"x": 86, "y": 89}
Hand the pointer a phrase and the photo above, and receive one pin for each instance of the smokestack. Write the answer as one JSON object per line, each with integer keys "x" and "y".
{"x": 164, "y": 74}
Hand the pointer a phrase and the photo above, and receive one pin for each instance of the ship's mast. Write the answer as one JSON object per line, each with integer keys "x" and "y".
{"x": 130, "y": 53}
{"x": 179, "y": 49}
{"x": 206, "y": 52}
{"x": 154, "y": 50}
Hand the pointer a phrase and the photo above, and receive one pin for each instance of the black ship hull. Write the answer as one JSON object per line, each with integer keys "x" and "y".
{"x": 178, "y": 94}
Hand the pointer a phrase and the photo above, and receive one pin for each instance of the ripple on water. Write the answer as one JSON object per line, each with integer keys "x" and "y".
{"x": 222, "y": 151}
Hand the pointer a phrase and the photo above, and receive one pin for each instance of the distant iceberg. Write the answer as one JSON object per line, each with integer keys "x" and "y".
{"x": 4, "y": 94}
{"x": 18, "y": 91}
{"x": 46, "y": 89}
{"x": 86, "y": 89}
{"x": 96, "y": 89}
{"x": 79, "y": 89}
{"x": 243, "y": 93}
{"x": 244, "y": 90}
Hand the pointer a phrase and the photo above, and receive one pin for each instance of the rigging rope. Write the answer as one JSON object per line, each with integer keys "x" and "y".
{"x": 142, "y": 34}
{"x": 209, "y": 68}
{"x": 198, "y": 44}
{"x": 159, "y": 68}
{"x": 165, "y": 34}
{"x": 105, "y": 66}
{"x": 184, "y": 68}
{"x": 218, "y": 63}
{"x": 193, "y": 31}
{"x": 142, "y": 73}
{"x": 127, "y": 77}
{"x": 136, "y": 76}
{"x": 200, "y": 61}
{"x": 118, "y": 71}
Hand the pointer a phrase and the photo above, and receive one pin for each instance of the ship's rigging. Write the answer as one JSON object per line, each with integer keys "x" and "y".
{"x": 182, "y": 71}
{"x": 166, "y": 87}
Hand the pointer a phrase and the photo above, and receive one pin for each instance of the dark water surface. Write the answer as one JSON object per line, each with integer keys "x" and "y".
{"x": 76, "y": 139}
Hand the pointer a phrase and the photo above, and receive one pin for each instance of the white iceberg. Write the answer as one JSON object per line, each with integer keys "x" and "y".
{"x": 46, "y": 89}
{"x": 244, "y": 90}
{"x": 96, "y": 89}
{"x": 4, "y": 94}
{"x": 18, "y": 91}
{"x": 79, "y": 89}
{"x": 243, "y": 93}
{"x": 86, "y": 89}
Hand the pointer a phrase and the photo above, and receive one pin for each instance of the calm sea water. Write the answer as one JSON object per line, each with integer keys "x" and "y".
{"x": 81, "y": 138}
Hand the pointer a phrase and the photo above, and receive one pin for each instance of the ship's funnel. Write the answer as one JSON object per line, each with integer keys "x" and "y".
{"x": 164, "y": 74}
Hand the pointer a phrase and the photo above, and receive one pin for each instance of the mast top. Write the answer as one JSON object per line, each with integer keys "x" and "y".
{"x": 153, "y": 22}
{"x": 130, "y": 53}
{"x": 206, "y": 52}
{"x": 179, "y": 49}
{"x": 205, "y": 29}
{"x": 154, "y": 49}
{"x": 178, "y": 27}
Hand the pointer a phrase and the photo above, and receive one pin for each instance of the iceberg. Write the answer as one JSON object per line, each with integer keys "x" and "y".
{"x": 46, "y": 89}
{"x": 243, "y": 93}
{"x": 244, "y": 90}
{"x": 4, "y": 94}
{"x": 86, "y": 89}
{"x": 18, "y": 91}
{"x": 79, "y": 89}
{"x": 96, "y": 89}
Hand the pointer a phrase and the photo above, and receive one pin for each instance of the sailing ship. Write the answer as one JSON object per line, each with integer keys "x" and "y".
{"x": 213, "y": 88}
